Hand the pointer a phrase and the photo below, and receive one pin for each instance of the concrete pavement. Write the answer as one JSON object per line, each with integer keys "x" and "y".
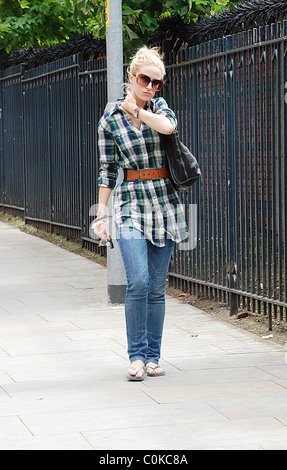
{"x": 63, "y": 363}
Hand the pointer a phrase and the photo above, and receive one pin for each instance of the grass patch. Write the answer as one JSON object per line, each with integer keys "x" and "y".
{"x": 255, "y": 323}
{"x": 74, "y": 246}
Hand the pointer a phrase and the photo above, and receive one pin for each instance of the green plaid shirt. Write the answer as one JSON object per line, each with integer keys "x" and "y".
{"x": 153, "y": 206}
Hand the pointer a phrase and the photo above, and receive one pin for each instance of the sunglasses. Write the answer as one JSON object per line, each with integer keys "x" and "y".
{"x": 144, "y": 80}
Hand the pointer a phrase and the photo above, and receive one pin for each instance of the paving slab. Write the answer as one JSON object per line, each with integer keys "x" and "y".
{"x": 63, "y": 363}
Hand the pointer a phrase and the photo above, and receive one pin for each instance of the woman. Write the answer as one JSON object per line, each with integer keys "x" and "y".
{"x": 147, "y": 210}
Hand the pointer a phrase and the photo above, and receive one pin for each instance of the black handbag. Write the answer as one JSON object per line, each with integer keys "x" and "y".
{"x": 182, "y": 164}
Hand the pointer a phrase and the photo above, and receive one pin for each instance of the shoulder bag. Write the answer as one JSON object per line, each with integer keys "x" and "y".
{"x": 182, "y": 164}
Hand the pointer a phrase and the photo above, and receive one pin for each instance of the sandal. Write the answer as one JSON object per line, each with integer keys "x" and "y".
{"x": 154, "y": 368}
{"x": 133, "y": 377}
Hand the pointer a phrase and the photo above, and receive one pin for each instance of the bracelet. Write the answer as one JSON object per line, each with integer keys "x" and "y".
{"x": 136, "y": 112}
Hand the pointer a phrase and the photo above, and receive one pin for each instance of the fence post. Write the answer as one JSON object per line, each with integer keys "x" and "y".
{"x": 231, "y": 177}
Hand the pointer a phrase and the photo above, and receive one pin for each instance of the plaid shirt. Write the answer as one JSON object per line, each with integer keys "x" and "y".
{"x": 153, "y": 206}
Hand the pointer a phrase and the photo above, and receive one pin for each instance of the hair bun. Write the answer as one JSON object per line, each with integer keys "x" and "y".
{"x": 147, "y": 56}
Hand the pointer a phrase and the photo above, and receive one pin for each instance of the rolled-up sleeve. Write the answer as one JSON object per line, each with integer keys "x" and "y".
{"x": 108, "y": 170}
{"x": 161, "y": 107}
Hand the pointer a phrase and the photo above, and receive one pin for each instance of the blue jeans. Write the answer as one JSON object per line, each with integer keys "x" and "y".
{"x": 146, "y": 268}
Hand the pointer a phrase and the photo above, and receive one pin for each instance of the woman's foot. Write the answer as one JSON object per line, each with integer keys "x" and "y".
{"x": 136, "y": 371}
{"x": 154, "y": 370}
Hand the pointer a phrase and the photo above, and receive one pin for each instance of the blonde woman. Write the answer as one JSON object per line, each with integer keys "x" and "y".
{"x": 147, "y": 211}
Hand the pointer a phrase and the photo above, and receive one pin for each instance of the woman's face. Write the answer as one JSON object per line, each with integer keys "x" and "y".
{"x": 145, "y": 92}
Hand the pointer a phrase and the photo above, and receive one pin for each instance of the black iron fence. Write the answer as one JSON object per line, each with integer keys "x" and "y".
{"x": 48, "y": 146}
{"x": 230, "y": 99}
{"x": 233, "y": 115}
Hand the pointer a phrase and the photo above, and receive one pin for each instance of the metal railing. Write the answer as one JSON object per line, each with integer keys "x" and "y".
{"x": 230, "y": 99}
{"x": 230, "y": 96}
{"x": 48, "y": 143}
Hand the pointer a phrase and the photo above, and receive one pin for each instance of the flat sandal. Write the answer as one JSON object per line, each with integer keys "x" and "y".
{"x": 154, "y": 368}
{"x": 134, "y": 378}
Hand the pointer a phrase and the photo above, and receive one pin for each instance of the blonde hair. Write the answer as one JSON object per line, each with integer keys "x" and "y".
{"x": 145, "y": 56}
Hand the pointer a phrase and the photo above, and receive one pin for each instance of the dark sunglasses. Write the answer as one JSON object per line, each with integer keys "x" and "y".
{"x": 144, "y": 80}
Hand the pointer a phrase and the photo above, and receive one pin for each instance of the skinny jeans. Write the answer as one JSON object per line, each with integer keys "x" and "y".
{"x": 146, "y": 267}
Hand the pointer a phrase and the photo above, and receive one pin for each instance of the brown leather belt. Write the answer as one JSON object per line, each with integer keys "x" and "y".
{"x": 148, "y": 174}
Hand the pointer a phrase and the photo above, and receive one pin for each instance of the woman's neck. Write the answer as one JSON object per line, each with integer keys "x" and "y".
{"x": 141, "y": 104}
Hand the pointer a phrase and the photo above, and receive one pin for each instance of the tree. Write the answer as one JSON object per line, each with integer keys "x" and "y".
{"x": 140, "y": 17}
{"x": 34, "y": 23}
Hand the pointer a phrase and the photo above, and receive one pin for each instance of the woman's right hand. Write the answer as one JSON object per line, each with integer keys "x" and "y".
{"x": 102, "y": 230}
